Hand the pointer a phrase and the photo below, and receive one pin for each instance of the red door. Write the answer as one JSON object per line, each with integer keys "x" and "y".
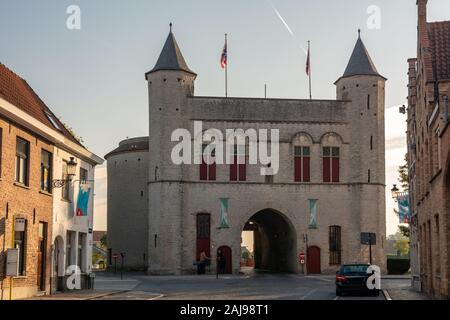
{"x": 226, "y": 252}
{"x": 313, "y": 260}
{"x": 203, "y": 234}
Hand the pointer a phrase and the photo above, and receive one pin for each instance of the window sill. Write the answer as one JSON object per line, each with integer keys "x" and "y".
{"x": 21, "y": 185}
{"x": 20, "y": 278}
{"x": 46, "y": 193}
{"x": 66, "y": 200}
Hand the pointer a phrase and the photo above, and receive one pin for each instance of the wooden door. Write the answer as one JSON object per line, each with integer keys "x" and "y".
{"x": 41, "y": 256}
{"x": 226, "y": 251}
{"x": 313, "y": 260}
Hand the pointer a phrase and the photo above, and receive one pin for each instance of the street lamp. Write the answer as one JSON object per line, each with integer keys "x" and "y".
{"x": 394, "y": 192}
{"x": 71, "y": 172}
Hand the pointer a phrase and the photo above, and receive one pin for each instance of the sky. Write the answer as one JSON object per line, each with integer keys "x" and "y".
{"x": 93, "y": 77}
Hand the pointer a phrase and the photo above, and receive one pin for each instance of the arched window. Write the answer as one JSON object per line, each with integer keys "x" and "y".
{"x": 302, "y": 157}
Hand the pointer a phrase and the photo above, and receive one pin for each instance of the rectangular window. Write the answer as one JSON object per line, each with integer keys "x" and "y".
{"x": 46, "y": 171}
{"x": 20, "y": 243}
{"x": 80, "y": 250}
{"x": 22, "y": 160}
{"x": 69, "y": 240}
{"x": 66, "y": 186}
{"x": 208, "y": 171}
{"x": 302, "y": 164}
{"x": 203, "y": 234}
{"x": 335, "y": 245}
{"x": 83, "y": 175}
{"x": 331, "y": 164}
{"x": 238, "y": 169}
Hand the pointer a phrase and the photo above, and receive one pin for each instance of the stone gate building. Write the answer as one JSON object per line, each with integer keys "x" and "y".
{"x": 329, "y": 189}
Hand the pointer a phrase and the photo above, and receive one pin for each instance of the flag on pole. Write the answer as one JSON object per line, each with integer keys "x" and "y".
{"x": 308, "y": 62}
{"x": 223, "y": 58}
{"x": 83, "y": 200}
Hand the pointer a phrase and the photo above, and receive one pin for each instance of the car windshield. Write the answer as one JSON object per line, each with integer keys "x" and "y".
{"x": 354, "y": 269}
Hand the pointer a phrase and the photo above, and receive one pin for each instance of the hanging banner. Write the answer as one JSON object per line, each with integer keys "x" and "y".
{"x": 313, "y": 213}
{"x": 83, "y": 200}
{"x": 224, "y": 213}
{"x": 403, "y": 208}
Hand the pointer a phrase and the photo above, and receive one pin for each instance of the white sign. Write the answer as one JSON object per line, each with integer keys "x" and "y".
{"x": 12, "y": 262}
{"x": 19, "y": 225}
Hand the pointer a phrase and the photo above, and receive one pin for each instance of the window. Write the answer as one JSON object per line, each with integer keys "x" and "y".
{"x": 20, "y": 243}
{"x": 53, "y": 121}
{"x": 69, "y": 240}
{"x": 203, "y": 234}
{"x": 80, "y": 248}
{"x": 83, "y": 175}
{"x": 65, "y": 187}
{"x": 331, "y": 164}
{"x": 335, "y": 245}
{"x": 238, "y": 170}
{"x": 371, "y": 142}
{"x": 368, "y": 102}
{"x": 208, "y": 171}
{"x": 302, "y": 164}
{"x": 22, "y": 160}
{"x": 46, "y": 171}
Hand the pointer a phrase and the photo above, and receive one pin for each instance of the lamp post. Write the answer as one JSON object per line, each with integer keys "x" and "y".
{"x": 394, "y": 192}
{"x": 71, "y": 171}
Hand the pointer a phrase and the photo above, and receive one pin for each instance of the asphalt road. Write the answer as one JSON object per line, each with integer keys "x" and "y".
{"x": 242, "y": 287}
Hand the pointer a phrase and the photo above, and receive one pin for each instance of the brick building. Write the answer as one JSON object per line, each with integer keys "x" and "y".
{"x": 329, "y": 189}
{"x": 429, "y": 155}
{"x": 32, "y": 141}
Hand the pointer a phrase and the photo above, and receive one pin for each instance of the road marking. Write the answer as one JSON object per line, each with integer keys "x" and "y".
{"x": 155, "y": 298}
{"x": 309, "y": 293}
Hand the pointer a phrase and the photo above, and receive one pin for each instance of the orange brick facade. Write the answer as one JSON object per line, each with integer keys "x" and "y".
{"x": 429, "y": 155}
{"x": 18, "y": 201}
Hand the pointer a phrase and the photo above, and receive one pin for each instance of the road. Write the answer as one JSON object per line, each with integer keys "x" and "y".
{"x": 243, "y": 287}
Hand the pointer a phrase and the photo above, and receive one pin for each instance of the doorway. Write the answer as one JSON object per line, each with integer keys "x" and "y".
{"x": 313, "y": 260}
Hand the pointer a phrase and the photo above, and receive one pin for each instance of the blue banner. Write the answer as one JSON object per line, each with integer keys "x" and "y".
{"x": 403, "y": 208}
{"x": 83, "y": 200}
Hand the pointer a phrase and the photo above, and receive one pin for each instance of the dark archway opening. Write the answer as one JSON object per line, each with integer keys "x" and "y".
{"x": 274, "y": 243}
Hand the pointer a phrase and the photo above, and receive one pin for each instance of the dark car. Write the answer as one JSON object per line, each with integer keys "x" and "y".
{"x": 353, "y": 278}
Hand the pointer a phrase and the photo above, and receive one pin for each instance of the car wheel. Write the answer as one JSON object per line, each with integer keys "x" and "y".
{"x": 376, "y": 293}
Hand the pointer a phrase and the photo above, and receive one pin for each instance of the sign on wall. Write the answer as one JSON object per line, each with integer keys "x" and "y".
{"x": 19, "y": 225}
{"x": 313, "y": 213}
{"x": 12, "y": 262}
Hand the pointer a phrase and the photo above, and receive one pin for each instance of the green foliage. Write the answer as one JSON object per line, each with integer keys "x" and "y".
{"x": 401, "y": 244}
{"x": 398, "y": 265}
{"x": 103, "y": 241}
{"x": 404, "y": 230}
{"x": 245, "y": 255}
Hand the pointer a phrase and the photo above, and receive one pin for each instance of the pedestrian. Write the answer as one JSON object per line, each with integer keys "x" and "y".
{"x": 203, "y": 262}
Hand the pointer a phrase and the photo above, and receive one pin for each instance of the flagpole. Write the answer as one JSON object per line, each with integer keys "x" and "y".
{"x": 309, "y": 55}
{"x": 226, "y": 68}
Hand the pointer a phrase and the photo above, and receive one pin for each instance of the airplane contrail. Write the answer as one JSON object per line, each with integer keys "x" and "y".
{"x": 285, "y": 24}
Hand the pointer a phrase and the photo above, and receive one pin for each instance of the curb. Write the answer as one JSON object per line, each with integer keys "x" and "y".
{"x": 386, "y": 294}
{"x": 106, "y": 294}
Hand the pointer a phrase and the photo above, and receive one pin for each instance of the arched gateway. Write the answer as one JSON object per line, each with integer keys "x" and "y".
{"x": 274, "y": 241}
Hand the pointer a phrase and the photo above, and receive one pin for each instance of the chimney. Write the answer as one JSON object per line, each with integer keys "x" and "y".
{"x": 422, "y": 8}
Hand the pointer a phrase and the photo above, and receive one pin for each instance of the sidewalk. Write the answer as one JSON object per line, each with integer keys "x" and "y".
{"x": 104, "y": 286}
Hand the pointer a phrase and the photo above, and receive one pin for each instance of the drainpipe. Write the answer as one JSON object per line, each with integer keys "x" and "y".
{"x": 446, "y": 109}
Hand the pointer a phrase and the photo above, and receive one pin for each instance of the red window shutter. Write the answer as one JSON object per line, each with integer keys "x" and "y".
{"x": 233, "y": 170}
{"x": 212, "y": 172}
{"x": 335, "y": 169}
{"x": 242, "y": 172}
{"x": 298, "y": 169}
{"x": 306, "y": 177}
{"x": 326, "y": 169}
{"x": 203, "y": 171}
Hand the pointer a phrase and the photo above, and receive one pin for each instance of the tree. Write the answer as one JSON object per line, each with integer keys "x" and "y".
{"x": 404, "y": 230}
{"x": 103, "y": 241}
{"x": 403, "y": 177}
{"x": 401, "y": 244}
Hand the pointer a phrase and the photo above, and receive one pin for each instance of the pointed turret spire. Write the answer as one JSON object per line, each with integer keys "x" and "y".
{"x": 171, "y": 57}
{"x": 360, "y": 62}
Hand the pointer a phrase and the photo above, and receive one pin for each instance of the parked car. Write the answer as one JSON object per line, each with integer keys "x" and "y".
{"x": 353, "y": 278}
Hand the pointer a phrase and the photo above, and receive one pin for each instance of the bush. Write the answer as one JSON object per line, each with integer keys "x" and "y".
{"x": 398, "y": 265}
